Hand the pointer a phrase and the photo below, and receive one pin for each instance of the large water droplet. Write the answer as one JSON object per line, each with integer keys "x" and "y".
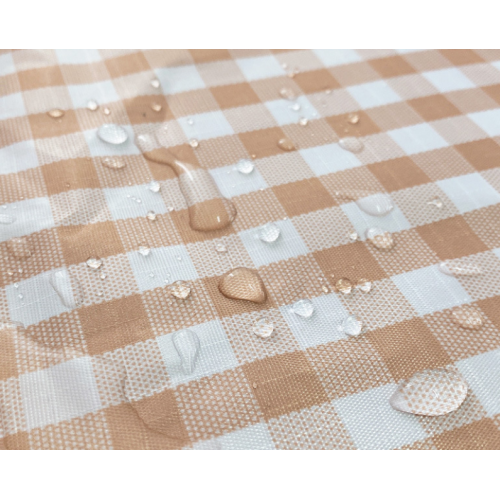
{"x": 208, "y": 210}
{"x": 263, "y": 328}
{"x": 431, "y": 393}
{"x": 287, "y": 93}
{"x": 144, "y": 251}
{"x": 243, "y": 284}
{"x": 245, "y": 166}
{"x": 94, "y": 263}
{"x": 92, "y": 105}
{"x": 364, "y": 285}
{"x": 20, "y": 248}
{"x": 269, "y": 232}
{"x": 303, "y": 308}
{"x": 113, "y": 163}
{"x": 352, "y": 144}
{"x": 68, "y": 288}
{"x": 7, "y": 219}
{"x": 467, "y": 317}
{"x": 344, "y": 286}
{"x": 56, "y": 113}
{"x": 380, "y": 238}
{"x": 286, "y": 144}
{"x": 378, "y": 204}
{"x": 187, "y": 345}
{"x": 352, "y": 326}
{"x": 112, "y": 133}
{"x": 180, "y": 289}
{"x": 457, "y": 268}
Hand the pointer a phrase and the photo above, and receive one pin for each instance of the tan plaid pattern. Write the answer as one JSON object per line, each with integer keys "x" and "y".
{"x": 102, "y": 376}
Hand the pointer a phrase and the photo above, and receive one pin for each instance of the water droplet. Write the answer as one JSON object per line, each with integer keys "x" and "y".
{"x": 7, "y": 219}
{"x": 178, "y": 257}
{"x": 20, "y": 271}
{"x": 352, "y": 326}
{"x": 187, "y": 345}
{"x": 287, "y": 93}
{"x": 245, "y": 166}
{"x": 20, "y": 248}
{"x": 106, "y": 111}
{"x": 303, "y": 122}
{"x": 378, "y": 204}
{"x": 194, "y": 143}
{"x": 94, "y": 263}
{"x": 113, "y": 163}
{"x": 56, "y": 113}
{"x": 180, "y": 289}
{"x": 380, "y": 238}
{"x": 207, "y": 209}
{"x": 143, "y": 250}
{"x": 151, "y": 275}
{"x": 467, "y": 317}
{"x": 269, "y": 232}
{"x": 112, "y": 134}
{"x": 354, "y": 236}
{"x": 325, "y": 289}
{"x": 220, "y": 248}
{"x": 21, "y": 296}
{"x": 286, "y": 144}
{"x": 68, "y": 288}
{"x": 437, "y": 202}
{"x": 364, "y": 285}
{"x": 154, "y": 186}
{"x": 151, "y": 215}
{"x": 170, "y": 208}
{"x": 431, "y": 393}
{"x": 102, "y": 276}
{"x": 92, "y": 105}
{"x": 352, "y": 144}
{"x": 100, "y": 294}
{"x": 295, "y": 107}
{"x": 457, "y": 268}
{"x": 190, "y": 121}
{"x": 156, "y": 107}
{"x": 353, "y": 118}
{"x": 243, "y": 284}
{"x": 344, "y": 286}
{"x": 263, "y": 328}
{"x": 155, "y": 83}
{"x": 10, "y": 273}
{"x": 303, "y": 308}
{"x": 16, "y": 285}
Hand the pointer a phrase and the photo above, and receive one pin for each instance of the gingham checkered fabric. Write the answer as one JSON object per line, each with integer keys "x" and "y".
{"x": 105, "y": 374}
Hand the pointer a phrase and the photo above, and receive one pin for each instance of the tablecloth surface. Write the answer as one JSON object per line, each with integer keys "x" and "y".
{"x": 105, "y": 374}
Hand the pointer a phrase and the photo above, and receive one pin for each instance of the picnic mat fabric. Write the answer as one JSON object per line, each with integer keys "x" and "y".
{"x": 101, "y": 371}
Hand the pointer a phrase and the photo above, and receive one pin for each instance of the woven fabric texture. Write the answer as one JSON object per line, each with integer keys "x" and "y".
{"x": 103, "y": 373}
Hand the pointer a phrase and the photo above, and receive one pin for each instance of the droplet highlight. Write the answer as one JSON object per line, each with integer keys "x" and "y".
{"x": 380, "y": 238}
{"x": 245, "y": 166}
{"x": 303, "y": 308}
{"x": 467, "y": 317}
{"x": 144, "y": 250}
{"x": 263, "y": 328}
{"x": 352, "y": 144}
{"x": 154, "y": 186}
{"x": 151, "y": 215}
{"x": 364, "y": 285}
{"x": 180, "y": 290}
{"x": 344, "y": 286}
{"x": 92, "y": 105}
{"x": 155, "y": 83}
{"x": 430, "y": 393}
{"x": 194, "y": 143}
{"x": 68, "y": 288}
{"x": 94, "y": 263}
{"x": 112, "y": 134}
{"x": 269, "y": 233}
{"x": 352, "y": 326}
{"x": 437, "y": 202}
{"x": 243, "y": 284}
{"x": 353, "y": 118}
{"x": 378, "y": 204}
{"x": 187, "y": 345}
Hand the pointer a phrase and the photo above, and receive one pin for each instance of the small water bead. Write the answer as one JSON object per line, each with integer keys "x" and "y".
{"x": 106, "y": 111}
{"x": 303, "y": 122}
{"x": 378, "y": 204}
{"x": 220, "y": 248}
{"x": 263, "y": 328}
{"x": 354, "y": 236}
{"x": 287, "y": 93}
{"x": 69, "y": 289}
{"x": 20, "y": 247}
{"x": 180, "y": 289}
{"x": 21, "y": 296}
{"x": 269, "y": 233}
{"x": 352, "y": 144}
{"x": 325, "y": 289}
{"x": 151, "y": 215}
{"x": 7, "y": 219}
{"x": 344, "y": 286}
{"x": 154, "y": 186}
{"x": 151, "y": 275}
{"x": 457, "y": 268}
{"x": 352, "y": 326}
{"x": 102, "y": 276}
{"x": 56, "y": 113}
{"x": 380, "y": 238}
{"x": 155, "y": 83}
{"x": 295, "y": 107}
{"x": 178, "y": 257}
{"x": 187, "y": 345}
{"x": 156, "y": 107}
{"x": 144, "y": 250}
{"x": 437, "y": 202}
{"x": 431, "y": 393}
{"x": 16, "y": 285}
{"x": 92, "y": 105}
{"x": 113, "y": 163}
{"x": 170, "y": 208}
{"x": 190, "y": 122}
{"x": 364, "y": 285}
{"x": 303, "y": 308}
{"x": 286, "y": 144}
{"x": 245, "y": 166}
{"x": 467, "y": 317}
{"x": 94, "y": 263}
{"x": 194, "y": 143}
{"x": 353, "y": 118}
{"x": 112, "y": 134}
